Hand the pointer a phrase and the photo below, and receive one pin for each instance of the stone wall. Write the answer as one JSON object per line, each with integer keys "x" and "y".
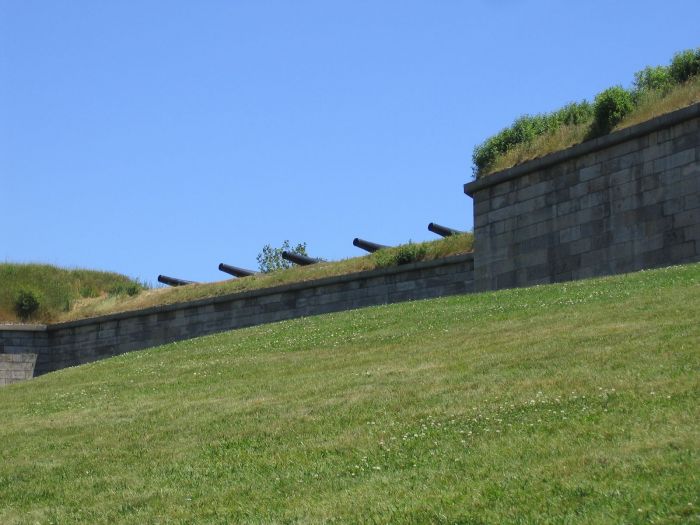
{"x": 16, "y": 367}
{"x": 68, "y": 344}
{"x": 620, "y": 203}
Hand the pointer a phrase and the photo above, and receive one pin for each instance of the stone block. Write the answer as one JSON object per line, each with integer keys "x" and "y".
{"x": 578, "y": 190}
{"x": 672, "y": 206}
{"x": 692, "y": 201}
{"x": 505, "y": 280}
{"x": 589, "y": 172}
{"x": 656, "y": 151}
{"x": 570, "y": 234}
{"x": 534, "y": 190}
{"x": 580, "y": 246}
{"x": 684, "y": 252}
{"x": 685, "y": 142}
{"x": 686, "y": 218}
{"x": 592, "y": 199}
{"x": 567, "y": 206}
{"x": 533, "y": 258}
{"x": 538, "y": 272}
{"x": 692, "y": 233}
{"x": 653, "y": 196}
{"x": 623, "y": 176}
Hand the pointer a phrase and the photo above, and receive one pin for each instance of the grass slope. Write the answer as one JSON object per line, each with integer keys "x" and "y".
{"x": 572, "y": 403}
{"x": 652, "y": 105}
{"x": 58, "y": 289}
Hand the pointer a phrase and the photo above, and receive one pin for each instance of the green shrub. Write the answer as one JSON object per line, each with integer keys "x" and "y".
{"x": 574, "y": 114}
{"x": 404, "y": 254}
{"x": 270, "y": 259}
{"x": 653, "y": 79}
{"x": 409, "y": 253}
{"x": 525, "y": 129}
{"x": 26, "y": 303}
{"x": 685, "y": 65}
{"x": 609, "y": 108}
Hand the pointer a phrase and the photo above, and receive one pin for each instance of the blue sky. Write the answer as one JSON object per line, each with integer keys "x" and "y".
{"x": 151, "y": 137}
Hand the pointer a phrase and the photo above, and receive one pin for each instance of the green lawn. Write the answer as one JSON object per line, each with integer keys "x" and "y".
{"x": 574, "y": 403}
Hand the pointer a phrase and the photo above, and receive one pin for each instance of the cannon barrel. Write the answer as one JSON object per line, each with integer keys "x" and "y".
{"x": 297, "y": 258}
{"x": 235, "y": 270}
{"x": 443, "y": 230}
{"x": 173, "y": 281}
{"x": 368, "y": 246}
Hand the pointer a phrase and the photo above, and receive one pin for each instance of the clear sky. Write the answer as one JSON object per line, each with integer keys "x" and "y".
{"x": 151, "y": 137}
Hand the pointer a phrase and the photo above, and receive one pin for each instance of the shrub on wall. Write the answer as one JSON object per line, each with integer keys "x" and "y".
{"x": 685, "y": 65}
{"x": 270, "y": 259}
{"x": 404, "y": 254}
{"x": 609, "y": 108}
{"x": 653, "y": 79}
{"x": 526, "y": 128}
{"x": 26, "y": 303}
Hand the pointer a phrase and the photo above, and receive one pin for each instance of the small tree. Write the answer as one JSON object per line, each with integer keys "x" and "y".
{"x": 270, "y": 259}
{"x": 26, "y": 304}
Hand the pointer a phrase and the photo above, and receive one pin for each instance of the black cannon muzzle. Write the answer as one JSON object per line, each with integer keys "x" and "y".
{"x": 368, "y": 246}
{"x": 443, "y": 230}
{"x": 235, "y": 270}
{"x": 297, "y": 258}
{"x": 173, "y": 281}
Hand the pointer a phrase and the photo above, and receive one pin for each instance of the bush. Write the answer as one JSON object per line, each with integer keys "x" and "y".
{"x": 525, "y": 129}
{"x": 685, "y": 65}
{"x": 609, "y": 108}
{"x": 653, "y": 79}
{"x": 26, "y": 304}
{"x": 270, "y": 259}
{"x": 574, "y": 114}
{"x": 404, "y": 254}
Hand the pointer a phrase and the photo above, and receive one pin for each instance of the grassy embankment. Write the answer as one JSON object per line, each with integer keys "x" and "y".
{"x": 652, "y": 105}
{"x": 111, "y": 303}
{"x": 59, "y": 290}
{"x": 571, "y": 403}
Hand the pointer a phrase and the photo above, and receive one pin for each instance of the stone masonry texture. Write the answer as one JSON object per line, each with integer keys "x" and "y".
{"x": 16, "y": 367}
{"x": 624, "y": 202}
{"x": 69, "y": 344}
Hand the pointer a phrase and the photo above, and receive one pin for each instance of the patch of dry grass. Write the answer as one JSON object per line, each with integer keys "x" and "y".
{"x": 654, "y": 104}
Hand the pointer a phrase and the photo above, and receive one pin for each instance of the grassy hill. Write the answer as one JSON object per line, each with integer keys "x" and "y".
{"x": 571, "y": 403}
{"x": 58, "y": 290}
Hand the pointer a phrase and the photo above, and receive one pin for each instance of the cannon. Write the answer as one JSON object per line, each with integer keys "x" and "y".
{"x": 297, "y": 258}
{"x": 235, "y": 270}
{"x": 173, "y": 281}
{"x": 443, "y": 230}
{"x": 368, "y": 246}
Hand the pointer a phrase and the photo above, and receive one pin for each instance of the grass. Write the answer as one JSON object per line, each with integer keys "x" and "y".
{"x": 652, "y": 105}
{"x": 59, "y": 290}
{"x": 570, "y": 403}
{"x": 452, "y": 245}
